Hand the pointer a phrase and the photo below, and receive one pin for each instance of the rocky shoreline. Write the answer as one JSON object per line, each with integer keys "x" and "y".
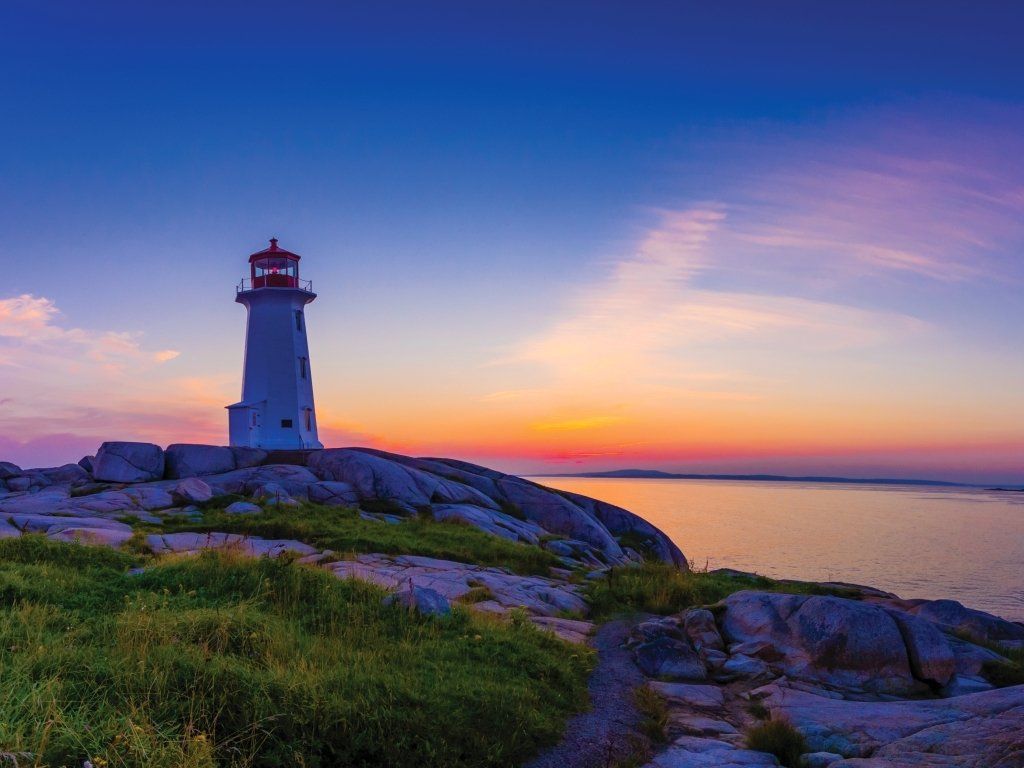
{"x": 864, "y": 677}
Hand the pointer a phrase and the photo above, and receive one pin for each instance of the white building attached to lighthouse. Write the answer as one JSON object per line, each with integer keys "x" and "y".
{"x": 276, "y": 411}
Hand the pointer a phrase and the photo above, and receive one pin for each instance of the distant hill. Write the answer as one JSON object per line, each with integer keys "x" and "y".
{"x": 655, "y": 474}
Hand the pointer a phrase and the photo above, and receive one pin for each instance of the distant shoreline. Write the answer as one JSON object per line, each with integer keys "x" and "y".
{"x": 654, "y": 474}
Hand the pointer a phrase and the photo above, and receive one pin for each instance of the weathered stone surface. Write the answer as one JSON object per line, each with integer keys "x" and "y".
{"x": 745, "y": 667}
{"x": 697, "y": 752}
{"x": 490, "y": 520}
{"x": 243, "y": 508}
{"x": 423, "y": 600}
{"x": 538, "y": 595}
{"x": 333, "y": 493}
{"x": 118, "y": 462}
{"x": 705, "y": 696}
{"x": 293, "y": 479}
{"x": 838, "y": 642}
{"x": 109, "y": 537}
{"x": 699, "y": 625}
{"x": 961, "y": 685}
{"x": 978, "y": 626}
{"x": 191, "y": 460}
{"x": 191, "y": 490}
{"x": 8, "y": 470}
{"x": 558, "y": 515}
{"x": 71, "y": 474}
{"x": 970, "y": 659}
{"x": 86, "y": 463}
{"x": 669, "y": 659}
{"x": 621, "y": 522}
{"x": 931, "y": 656}
{"x": 188, "y": 543}
{"x": 375, "y": 475}
{"x": 819, "y": 759}
{"x": 570, "y": 630}
{"x": 19, "y": 484}
{"x": 980, "y": 730}
{"x": 248, "y": 457}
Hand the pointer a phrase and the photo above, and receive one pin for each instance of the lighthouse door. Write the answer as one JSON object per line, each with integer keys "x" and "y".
{"x": 255, "y": 422}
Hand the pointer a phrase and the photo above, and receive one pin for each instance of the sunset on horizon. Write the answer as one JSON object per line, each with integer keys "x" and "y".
{"x": 512, "y": 385}
{"x": 552, "y": 252}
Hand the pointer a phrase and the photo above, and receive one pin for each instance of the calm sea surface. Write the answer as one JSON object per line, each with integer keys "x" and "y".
{"x": 916, "y": 542}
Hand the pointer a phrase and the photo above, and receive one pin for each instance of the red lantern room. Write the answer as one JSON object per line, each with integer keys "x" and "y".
{"x": 274, "y": 267}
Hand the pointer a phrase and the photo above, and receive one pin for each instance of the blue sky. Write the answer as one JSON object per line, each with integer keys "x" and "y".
{"x": 467, "y": 180}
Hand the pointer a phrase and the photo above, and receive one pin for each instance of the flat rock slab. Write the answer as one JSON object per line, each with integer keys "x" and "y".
{"x": 571, "y": 630}
{"x": 697, "y": 752}
{"x": 978, "y": 730}
{"x": 536, "y": 594}
{"x": 190, "y": 543}
{"x": 705, "y": 696}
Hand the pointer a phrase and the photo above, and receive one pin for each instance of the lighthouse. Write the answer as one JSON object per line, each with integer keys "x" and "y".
{"x": 276, "y": 410}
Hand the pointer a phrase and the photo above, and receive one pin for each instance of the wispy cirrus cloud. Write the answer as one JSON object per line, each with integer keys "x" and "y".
{"x": 30, "y": 329}
{"x": 648, "y": 319}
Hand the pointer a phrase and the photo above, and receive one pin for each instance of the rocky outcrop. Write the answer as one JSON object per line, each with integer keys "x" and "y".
{"x": 838, "y": 642}
{"x": 499, "y": 589}
{"x": 189, "y": 460}
{"x": 579, "y": 530}
{"x": 982, "y": 730}
{"x": 977, "y": 626}
{"x": 129, "y": 463}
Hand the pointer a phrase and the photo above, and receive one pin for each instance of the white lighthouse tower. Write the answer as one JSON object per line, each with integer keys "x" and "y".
{"x": 276, "y": 410}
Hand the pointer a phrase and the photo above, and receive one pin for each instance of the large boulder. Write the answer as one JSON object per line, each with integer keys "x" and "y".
{"x": 295, "y": 480}
{"x": 192, "y": 490}
{"x": 375, "y": 476}
{"x": 622, "y": 522}
{"x": 699, "y": 625}
{"x": 840, "y": 643}
{"x": 333, "y": 494}
{"x": 931, "y": 655}
{"x": 8, "y": 470}
{"x": 557, "y": 514}
{"x": 490, "y": 520}
{"x": 666, "y": 658}
{"x": 422, "y": 600}
{"x": 191, "y": 460}
{"x": 121, "y": 462}
{"x": 67, "y": 474}
{"x": 977, "y": 626}
{"x": 248, "y": 457}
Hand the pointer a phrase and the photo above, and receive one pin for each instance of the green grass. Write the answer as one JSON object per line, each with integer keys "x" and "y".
{"x": 217, "y": 660}
{"x": 654, "y": 587}
{"x": 653, "y": 712}
{"x": 1005, "y": 673}
{"x": 344, "y": 531}
{"x": 778, "y": 737}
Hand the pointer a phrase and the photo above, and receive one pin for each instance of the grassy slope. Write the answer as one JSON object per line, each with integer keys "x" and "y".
{"x": 659, "y": 588}
{"x": 215, "y": 660}
{"x": 344, "y": 531}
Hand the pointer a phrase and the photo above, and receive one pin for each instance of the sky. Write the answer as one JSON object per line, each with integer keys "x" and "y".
{"x": 547, "y": 237}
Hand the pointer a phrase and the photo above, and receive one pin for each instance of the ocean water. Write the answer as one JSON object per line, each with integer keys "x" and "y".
{"x": 919, "y": 542}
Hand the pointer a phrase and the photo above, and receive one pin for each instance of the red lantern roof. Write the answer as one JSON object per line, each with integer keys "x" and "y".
{"x": 273, "y": 250}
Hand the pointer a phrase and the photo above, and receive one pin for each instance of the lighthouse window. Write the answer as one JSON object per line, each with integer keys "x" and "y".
{"x": 286, "y": 423}
{"x": 302, "y": 366}
{"x": 298, "y": 320}
{"x": 309, "y": 420}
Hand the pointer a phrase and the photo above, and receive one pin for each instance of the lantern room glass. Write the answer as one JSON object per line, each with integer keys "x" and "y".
{"x": 275, "y": 272}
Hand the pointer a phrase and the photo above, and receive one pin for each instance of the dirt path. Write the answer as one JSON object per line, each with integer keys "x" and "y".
{"x": 607, "y": 733}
